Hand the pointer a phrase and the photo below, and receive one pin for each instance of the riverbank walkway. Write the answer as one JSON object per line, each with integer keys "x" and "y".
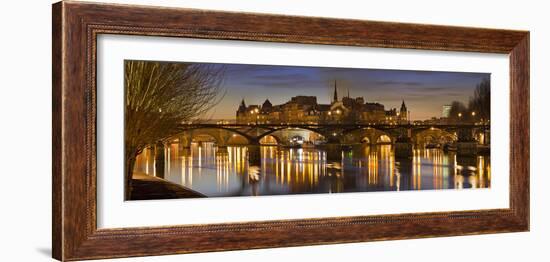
{"x": 147, "y": 187}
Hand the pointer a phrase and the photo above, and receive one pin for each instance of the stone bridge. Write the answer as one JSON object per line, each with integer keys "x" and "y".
{"x": 467, "y": 137}
{"x": 344, "y": 134}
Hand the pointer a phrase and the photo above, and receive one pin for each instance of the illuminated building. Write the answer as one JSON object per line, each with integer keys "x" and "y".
{"x": 306, "y": 110}
{"x": 446, "y": 111}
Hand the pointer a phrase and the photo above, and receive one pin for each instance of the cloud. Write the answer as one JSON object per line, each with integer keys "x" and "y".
{"x": 426, "y": 91}
{"x": 397, "y": 83}
{"x": 286, "y": 82}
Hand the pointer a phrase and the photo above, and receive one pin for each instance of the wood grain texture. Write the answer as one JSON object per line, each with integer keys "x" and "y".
{"x": 57, "y": 195}
{"x": 519, "y": 129}
{"x": 76, "y": 26}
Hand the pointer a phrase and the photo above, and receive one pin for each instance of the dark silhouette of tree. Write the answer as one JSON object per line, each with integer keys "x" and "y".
{"x": 480, "y": 103}
{"x": 160, "y": 96}
{"x": 457, "y": 112}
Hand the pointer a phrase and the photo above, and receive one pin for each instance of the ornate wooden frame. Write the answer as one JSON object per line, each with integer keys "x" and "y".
{"x": 76, "y": 26}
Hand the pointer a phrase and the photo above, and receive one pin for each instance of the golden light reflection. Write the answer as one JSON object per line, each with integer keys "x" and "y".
{"x": 220, "y": 171}
{"x": 373, "y": 168}
{"x": 481, "y": 170}
{"x": 200, "y": 159}
{"x": 167, "y": 159}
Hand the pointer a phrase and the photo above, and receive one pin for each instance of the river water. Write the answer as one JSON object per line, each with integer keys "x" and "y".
{"x": 222, "y": 173}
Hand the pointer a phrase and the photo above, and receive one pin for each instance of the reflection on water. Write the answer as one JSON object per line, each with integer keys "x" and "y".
{"x": 234, "y": 172}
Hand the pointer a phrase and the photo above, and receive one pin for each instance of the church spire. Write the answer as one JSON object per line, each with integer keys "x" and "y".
{"x": 335, "y": 92}
{"x": 242, "y": 107}
{"x": 403, "y": 113}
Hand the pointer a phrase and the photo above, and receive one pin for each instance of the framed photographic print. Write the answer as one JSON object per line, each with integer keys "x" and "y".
{"x": 195, "y": 131}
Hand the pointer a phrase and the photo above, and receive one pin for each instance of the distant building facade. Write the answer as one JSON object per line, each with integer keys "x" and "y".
{"x": 446, "y": 112}
{"x": 306, "y": 110}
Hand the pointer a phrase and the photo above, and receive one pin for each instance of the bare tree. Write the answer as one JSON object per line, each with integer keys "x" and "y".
{"x": 481, "y": 101}
{"x": 457, "y": 112}
{"x": 160, "y": 96}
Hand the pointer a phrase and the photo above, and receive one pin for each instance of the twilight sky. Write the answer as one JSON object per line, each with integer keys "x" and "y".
{"x": 424, "y": 92}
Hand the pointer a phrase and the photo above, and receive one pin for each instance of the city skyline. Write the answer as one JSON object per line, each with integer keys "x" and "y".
{"x": 301, "y": 130}
{"x": 425, "y": 92}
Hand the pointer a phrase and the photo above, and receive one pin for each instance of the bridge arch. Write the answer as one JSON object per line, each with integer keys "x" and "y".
{"x": 367, "y": 136}
{"x": 228, "y": 130}
{"x": 237, "y": 139}
{"x": 269, "y": 140}
{"x": 221, "y": 136}
{"x": 274, "y": 130}
{"x": 205, "y": 137}
{"x": 383, "y": 139}
{"x": 284, "y": 135}
{"x": 434, "y": 136}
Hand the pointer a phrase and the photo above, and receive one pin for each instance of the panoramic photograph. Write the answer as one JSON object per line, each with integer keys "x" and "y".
{"x": 199, "y": 130}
